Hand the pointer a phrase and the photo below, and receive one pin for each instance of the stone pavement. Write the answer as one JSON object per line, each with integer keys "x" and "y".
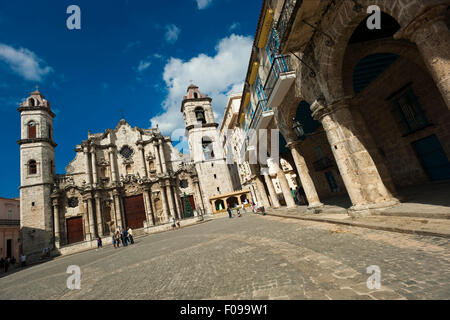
{"x": 253, "y": 257}
{"x": 391, "y": 221}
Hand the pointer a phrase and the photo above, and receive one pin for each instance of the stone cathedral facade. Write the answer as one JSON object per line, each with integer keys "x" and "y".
{"x": 126, "y": 176}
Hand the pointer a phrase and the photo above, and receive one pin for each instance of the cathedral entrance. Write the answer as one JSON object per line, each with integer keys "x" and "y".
{"x": 135, "y": 211}
{"x": 75, "y": 230}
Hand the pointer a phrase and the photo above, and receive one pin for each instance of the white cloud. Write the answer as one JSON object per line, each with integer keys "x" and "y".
{"x": 24, "y": 62}
{"x": 172, "y": 33}
{"x": 202, "y": 4}
{"x": 234, "y": 26}
{"x": 216, "y": 76}
{"x": 143, "y": 65}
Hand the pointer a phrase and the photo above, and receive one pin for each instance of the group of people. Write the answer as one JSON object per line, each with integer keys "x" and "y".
{"x": 238, "y": 210}
{"x": 6, "y": 263}
{"x": 124, "y": 237}
{"x": 175, "y": 224}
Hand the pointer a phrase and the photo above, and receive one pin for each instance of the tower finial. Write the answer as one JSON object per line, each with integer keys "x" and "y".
{"x": 122, "y": 114}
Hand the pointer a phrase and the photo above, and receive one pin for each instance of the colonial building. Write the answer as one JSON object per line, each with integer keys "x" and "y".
{"x": 123, "y": 177}
{"x": 363, "y": 111}
{"x": 9, "y": 228}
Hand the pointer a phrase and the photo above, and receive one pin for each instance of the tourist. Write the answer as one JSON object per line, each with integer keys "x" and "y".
{"x": 238, "y": 212}
{"x": 118, "y": 239}
{"x": 6, "y": 265}
{"x": 23, "y": 260}
{"x": 113, "y": 238}
{"x": 130, "y": 235}
{"x": 243, "y": 207}
{"x": 99, "y": 243}
{"x": 178, "y": 224}
{"x": 173, "y": 223}
{"x": 124, "y": 237}
{"x": 229, "y": 212}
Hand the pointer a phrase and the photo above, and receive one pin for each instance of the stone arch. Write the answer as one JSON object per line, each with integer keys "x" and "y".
{"x": 401, "y": 48}
{"x": 341, "y": 27}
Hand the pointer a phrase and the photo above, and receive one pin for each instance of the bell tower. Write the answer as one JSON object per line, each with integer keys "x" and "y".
{"x": 205, "y": 146}
{"x": 37, "y": 171}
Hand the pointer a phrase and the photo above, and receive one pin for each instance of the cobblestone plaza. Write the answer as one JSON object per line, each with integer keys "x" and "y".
{"x": 252, "y": 257}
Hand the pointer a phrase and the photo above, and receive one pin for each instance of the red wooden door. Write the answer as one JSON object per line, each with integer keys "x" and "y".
{"x": 75, "y": 230}
{"x": 135, "y": 211}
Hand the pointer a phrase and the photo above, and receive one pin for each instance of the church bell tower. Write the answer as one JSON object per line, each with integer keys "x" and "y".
{"x": 37, "y": 171}
{"x": 205, "y": 146}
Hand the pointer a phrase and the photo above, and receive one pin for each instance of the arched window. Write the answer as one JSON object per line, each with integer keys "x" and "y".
{"x": 31, "y": 130}
{"x": 32, "y": 167}
{"x": 207, "y": 147}
{"x": 195, "y": 95}
{"x": 200, "y": 115}
{"x": 31, "y": 102}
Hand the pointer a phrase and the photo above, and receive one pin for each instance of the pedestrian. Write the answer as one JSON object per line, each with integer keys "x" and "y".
{"x": 124, "y": 237}
{"x": 13, "y": 262}
{"x": 243, "y": 207}
{"x": 229, "y": 212}
{"x": 118, "y": 239}
{"x": 238, "y": 212}
{"x": 173, "y": 223}
{"x": 113, "y": 239}
{"x": 99, "y": 243}
{"x": 178, "y": 224}
{"x": 130, "y": 235}
{"x": 23, "y": 260}
{"x": 6, "y": 265}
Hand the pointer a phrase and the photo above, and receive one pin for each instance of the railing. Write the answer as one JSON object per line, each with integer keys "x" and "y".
{"x": 281, "y": 64}
{"x": 285, "y": 17}
{"x": 9, "y": 222}
{"x": 322, "y": 164}
{"x": 260, "y": 108}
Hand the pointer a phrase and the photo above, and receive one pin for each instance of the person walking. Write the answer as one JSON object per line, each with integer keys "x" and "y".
{"x": 178, "y": 224}
{"x": 174, "y": 226}
{"x": 99, "y": 243}
{"x": 124, "y": 237}
{"x": 6, "y": 265}
{"x": 113, "y": 238}
{"x": 130, "y": 235}
{"x": 229, "y": 212}
{"x": 23, "y": 260}
{"x": 118, "y": 239}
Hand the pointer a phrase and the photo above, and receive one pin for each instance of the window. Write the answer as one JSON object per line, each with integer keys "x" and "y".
{"x": 200, "y": 115}
{"x": 207, "y": 147}
{"x": 215, "y": 176}
{"x": 218, "y": 189}
{"x": 126, "y": 152}
{"x": 32, "y": 167}
{"x": 72, "y": 202}
{"x": 273, "y": 45}
{"x": 31, "y": 102}
{"x": 184, "y": 183}
{"x": 31, "y": 130}
{"x": 411, "y": 114}
{"x": 195, "y": 95}
{"x": 129, "y": 169}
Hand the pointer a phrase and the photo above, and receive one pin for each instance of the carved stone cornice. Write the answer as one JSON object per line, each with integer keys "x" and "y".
{"x": 36, "y": 140}
{"x": 206, "y": 125}
{"x": 37, "y": 108}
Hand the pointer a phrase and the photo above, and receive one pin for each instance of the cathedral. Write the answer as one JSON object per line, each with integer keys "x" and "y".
{"x": 123, "y": 177}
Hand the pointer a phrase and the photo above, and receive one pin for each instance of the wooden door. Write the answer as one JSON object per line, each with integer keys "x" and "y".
{"x": 135, "y": 211}
{"x": 75, "y": 230}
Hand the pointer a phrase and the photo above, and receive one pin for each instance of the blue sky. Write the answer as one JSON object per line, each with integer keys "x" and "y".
{"x": 130, "y": 55}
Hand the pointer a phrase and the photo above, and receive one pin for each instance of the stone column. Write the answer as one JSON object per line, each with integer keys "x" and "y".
{"x": 117, "y": 210}
{"x": 87, "y": 233}
{"x": 272, "y": 193}
{"x": 284, "y": 184}
{"x": 198, "y": 192}
{"x": 56, "y": 222}
{"x": 149, "y": 211}
{"x": 94, "y": 166}
{"x": 112, "y": 164}
{"x": 305, "y": 178}
{"x": 170, "y": 200}
{"x": 177, "y": 202}
{"x": 358, "y": 171}
{"x": 88, "y": 167}
{"x": 144, "y": 167}
{"x": 157, "y": 158}
{"x": 91, "y": 217}
{"x": 98, "y": 210}
{"x": 430, "y": 33}
{"x": 164, "y": 203}
{"x": 263, "y": 199}
{"x": 163, "y": 157}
